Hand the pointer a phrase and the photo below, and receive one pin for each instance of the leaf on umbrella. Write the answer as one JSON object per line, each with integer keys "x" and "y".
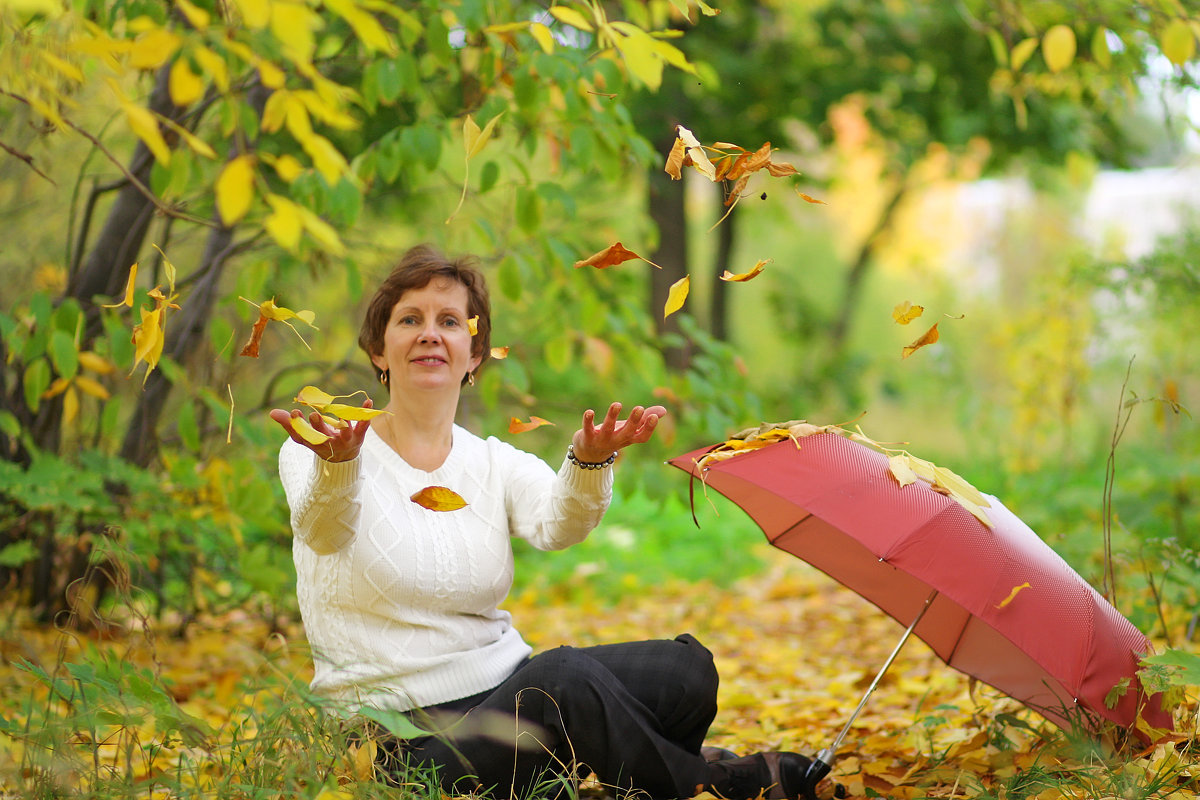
{"x": 1016, "y": 590}
{"x": 958, "y": 487}
{"x": 307, "y": 432}
{"x": 438, "y": 498}
{"x": 929, "y": 337}
{"x": 976, "y": 511}
{"x": 906, "y": 312}
{"x": 516, "y": 426}
{"x": 615, "y": 253}
{"x": 901, "y": 471}
{"x": 745, "y": 276}
{"x": 677, "y": 294}
{"x": 500, "y": 352}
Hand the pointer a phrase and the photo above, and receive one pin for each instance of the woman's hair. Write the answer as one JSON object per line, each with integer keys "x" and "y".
{"x": 417, "y": 269}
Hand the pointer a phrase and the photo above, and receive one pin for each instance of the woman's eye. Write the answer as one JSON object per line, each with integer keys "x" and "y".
{"x": 408, "y": 320}
{"x": 450, "y": 321}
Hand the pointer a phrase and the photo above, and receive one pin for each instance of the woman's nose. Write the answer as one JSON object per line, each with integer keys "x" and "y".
{"x": 429, "y": 333}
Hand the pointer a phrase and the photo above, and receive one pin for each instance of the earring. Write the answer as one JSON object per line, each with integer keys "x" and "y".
{"x": 470, "y": 378}
{"x": 383, "y": 377}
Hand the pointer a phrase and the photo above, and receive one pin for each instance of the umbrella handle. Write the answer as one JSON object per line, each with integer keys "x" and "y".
{"x": 817, "y": 769}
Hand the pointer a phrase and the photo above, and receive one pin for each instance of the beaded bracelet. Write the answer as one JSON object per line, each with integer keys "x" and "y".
{"x": 608, "y": 462}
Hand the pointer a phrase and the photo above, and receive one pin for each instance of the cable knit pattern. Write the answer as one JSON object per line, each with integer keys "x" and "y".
{"x": 401, "y": 604}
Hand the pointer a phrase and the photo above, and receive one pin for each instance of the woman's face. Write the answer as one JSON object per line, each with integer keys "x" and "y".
{"x": 427, "y": 344}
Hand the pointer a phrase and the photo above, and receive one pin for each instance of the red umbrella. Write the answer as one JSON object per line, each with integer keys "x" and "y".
{"x": 993, "y": 602}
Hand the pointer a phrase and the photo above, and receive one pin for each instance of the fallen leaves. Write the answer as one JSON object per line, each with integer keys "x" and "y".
{"x": 745, "y": 276}
{"x": 927, "y": 338}
{"x": 615, "y": 253}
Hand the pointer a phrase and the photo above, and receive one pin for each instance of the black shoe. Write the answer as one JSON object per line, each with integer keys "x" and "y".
{"x": 773, "y": 775}
{"x": 712, "y": 754}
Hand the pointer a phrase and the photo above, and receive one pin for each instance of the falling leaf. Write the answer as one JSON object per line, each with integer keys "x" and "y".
{"x": 674, "y": 166}
{"x": 1012, "y": 595}
{"x": 325, "y": 403}
{"x": 307, "y": 432}
{"x": 129, "y": 287}
{"x": 268, "y": 311}
{"x": 781, "y": 169}
{"x": 148, "y": 338}
{"x": 695, "y": 152}
{"x": 438, "y": 498}
{"x": 676, "y": 296}
{"x": 500, "y": 352}
{"x": 473, "y": 325}
{"x": 808, "y": 199}
{"x": 906, "y": 312}
{"x": 745, "y": 276}
{"x": 474, "y": 140}
{"x": 929, "y": 337}
{"x": 516, "y": 426}
{"x": 610, "y": 256}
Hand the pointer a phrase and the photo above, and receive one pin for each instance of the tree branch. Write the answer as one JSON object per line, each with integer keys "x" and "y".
{"x": 28, "y": 159}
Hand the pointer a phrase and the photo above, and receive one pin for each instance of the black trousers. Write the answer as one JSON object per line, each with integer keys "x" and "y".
{"x": 635, "y": 713}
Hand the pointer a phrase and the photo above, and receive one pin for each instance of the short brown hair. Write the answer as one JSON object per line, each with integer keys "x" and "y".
{"x": 416, "y": 270}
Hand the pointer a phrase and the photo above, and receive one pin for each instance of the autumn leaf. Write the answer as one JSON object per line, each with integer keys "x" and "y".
{"x": 929, "y": 337}
{"x": 325, "y": 403}
{"x": 268, "y": 311}
{"x": 900, "y": 470}
{"x": 438, "y": 498}
{"x": 1012, "y": 595}
{"x": 473, "y": 325}
{"x": 808, "y": 199}
{"x": 1058, "y": 47}
{"x": 148, "y": 339}
{"x": 610, "y": 256}
{"x": 516, "y": 426}
{"x": 129, "y": 287}
{"x": 307, "y": 432}
{"x": 474, "y": 140}
{"x": 745, "y": 276}
{"x": 677, "y": 294}
{"x": 235, "y": 189}
{"x": 674, "y": 165}
{"x": 906, "y": 312}
{"x": 500, "y": 352}
{"x": 694, "y": 151}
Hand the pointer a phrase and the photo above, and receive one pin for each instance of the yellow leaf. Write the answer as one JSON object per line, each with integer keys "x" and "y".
{"x": 906, "y": 312}
{"x": 63, "y": 67}
{"x": 197, "y": 145}
{"x": 499, "y": 352}
{"x": 516, "y": 426}
{"x": 152, "y": 49}
{"x": 1012, "y": 595}
{"x": 929, "y": 337}
{"x": 143, "y": 123}
{"x": 476, "y": 139}
{"x": 1021, "y": 52}
{"x": 695, "y": 152}
{"x": 674, "y": 165}
{"x": 808, "y": 199}
{"x": 1178, "y": 42}
{"x": 322, "y": 231}
{"x": 70, "y": 405}
{"x": 438, "y": 498}
{"x": 365, "y": 26}
{"x": 473, "y": 325}
{"x": 958, "y": 487}
{"x": 615, "y": 253}
{"x": 677, "y": 294}
{"x": 346, "y": 411}
{"x": 745, "y": 276}
{"x": 235, "y": 189}
{"x": 293, "y": 24}
{"x": 315, "y": 398}
{"x": 543, "y": 36}
{"x": 307, "y": 432}
{"x": 91, "y": 387}
{"x": 901, "y": 471}
{"x": 213, "y": 66}
{"x": 255, "y": 13}
{"x": 638, "y": 50}
{"x": 198, "y": 17}
{"x": 59, "y": 386}
{"x": 283, "y": 223}
{"x": 148, "y": 340}
{"x": 1100, "y": 51}
{"x": 185, "y": 86}
{"x": 281, "y": 314}
{"x": 570, "y": 16}
{"x": 129, "y": 287}
{"x": 1058, "y": 47}
{"x": 326, "y": 158}
{"x": 288, "y": 167}
{"x": 95, "y": 362}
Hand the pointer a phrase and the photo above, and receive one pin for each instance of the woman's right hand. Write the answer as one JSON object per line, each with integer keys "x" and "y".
{"x": 343, "y": 444}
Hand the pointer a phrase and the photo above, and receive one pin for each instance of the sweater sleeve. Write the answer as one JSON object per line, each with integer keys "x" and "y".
{"x": 554, "y": 510}
{"x": 323, "y": 497}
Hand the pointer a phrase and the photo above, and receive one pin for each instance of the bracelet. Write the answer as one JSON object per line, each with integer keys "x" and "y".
{"x": 608, "y": 462}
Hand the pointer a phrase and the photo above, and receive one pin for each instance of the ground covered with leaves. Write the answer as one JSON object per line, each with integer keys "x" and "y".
{"x": 220, "y": 711}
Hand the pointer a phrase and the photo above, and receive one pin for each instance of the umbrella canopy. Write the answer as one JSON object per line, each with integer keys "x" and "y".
{"x": 1054, "y": 643}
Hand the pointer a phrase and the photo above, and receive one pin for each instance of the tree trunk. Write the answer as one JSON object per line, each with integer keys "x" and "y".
{"x": 669, "y": 213}
{"x": 718, "y": 317}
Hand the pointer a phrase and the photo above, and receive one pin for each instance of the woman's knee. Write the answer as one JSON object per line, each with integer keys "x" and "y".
{"x": 697, "y": 669}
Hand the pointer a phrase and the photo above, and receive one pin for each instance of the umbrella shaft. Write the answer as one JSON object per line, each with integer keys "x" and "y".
{"x": 832, "y": 750}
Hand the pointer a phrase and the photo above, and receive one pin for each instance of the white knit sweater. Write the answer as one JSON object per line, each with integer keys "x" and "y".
{"x": 400, "y": 604}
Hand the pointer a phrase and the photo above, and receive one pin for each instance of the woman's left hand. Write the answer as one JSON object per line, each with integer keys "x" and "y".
{"x": 594, "y": 443}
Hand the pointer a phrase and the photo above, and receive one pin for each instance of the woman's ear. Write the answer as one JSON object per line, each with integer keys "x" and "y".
{"x": 380, "y": 362}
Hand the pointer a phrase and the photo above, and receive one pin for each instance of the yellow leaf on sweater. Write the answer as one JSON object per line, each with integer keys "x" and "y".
{"x": 438, "y": 498}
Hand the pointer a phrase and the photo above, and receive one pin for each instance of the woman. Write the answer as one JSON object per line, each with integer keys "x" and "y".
{"x": 400, "y": 603}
